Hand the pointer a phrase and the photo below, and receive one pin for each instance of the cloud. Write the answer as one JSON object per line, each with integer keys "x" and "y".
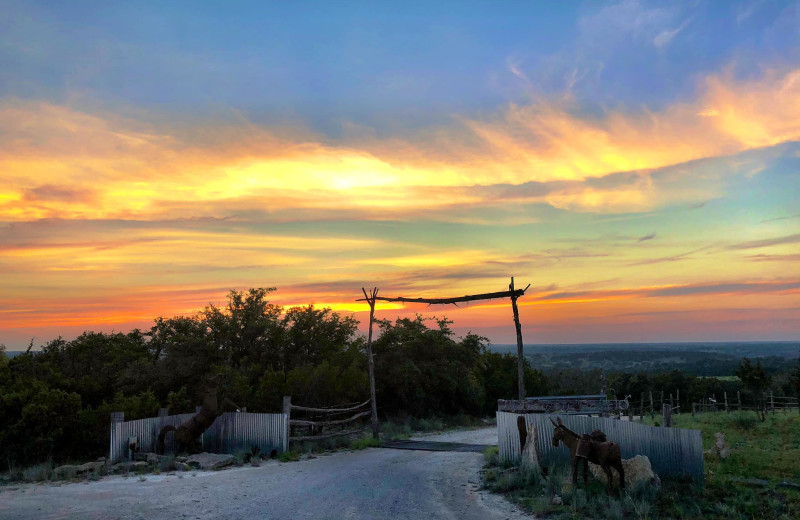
{"x": 647, "y": 237}
{"x": 767, "y": 242}
{"x": 665, "y": 37}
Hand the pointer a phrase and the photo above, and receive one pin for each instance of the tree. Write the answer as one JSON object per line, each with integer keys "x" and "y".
{"x": 753, "y": 377}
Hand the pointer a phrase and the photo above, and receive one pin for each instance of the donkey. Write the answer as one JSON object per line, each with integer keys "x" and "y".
{"x": 592, "y": 449}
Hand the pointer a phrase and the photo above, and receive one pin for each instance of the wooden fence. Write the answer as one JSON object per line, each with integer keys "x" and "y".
{"x": 768, "y": 403}
{"x": 672, "y": 451}
{"x": 230, "y": 433}
{"x": 318, "y": 419}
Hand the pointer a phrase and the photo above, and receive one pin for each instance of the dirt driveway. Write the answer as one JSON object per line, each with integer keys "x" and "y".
{"x": 375, "y": 483}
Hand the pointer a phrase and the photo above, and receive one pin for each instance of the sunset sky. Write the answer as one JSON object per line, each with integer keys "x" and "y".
{"x": 636, "y": 163}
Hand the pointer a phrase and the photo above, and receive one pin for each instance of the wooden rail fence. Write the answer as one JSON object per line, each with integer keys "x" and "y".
{"x": 317, "y": 426}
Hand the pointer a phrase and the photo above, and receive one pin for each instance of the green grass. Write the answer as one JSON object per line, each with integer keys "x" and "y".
{"x": 767, "y": 450}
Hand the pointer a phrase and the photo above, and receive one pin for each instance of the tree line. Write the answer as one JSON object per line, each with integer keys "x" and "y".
{"x": 55, "y": 403}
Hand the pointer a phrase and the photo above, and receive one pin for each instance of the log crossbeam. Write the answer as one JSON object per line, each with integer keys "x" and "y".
{"x": 455, "y": 300}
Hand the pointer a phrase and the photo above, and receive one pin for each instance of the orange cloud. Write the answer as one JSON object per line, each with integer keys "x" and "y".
{"x": 60, "y": 162}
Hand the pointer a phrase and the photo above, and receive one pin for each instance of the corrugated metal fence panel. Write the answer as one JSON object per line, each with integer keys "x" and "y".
{"x": 672, "y": 451}
{"x": 230, "y": 433}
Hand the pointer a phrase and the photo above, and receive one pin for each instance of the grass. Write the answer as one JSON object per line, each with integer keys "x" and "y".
{"x": 767, "y": 451}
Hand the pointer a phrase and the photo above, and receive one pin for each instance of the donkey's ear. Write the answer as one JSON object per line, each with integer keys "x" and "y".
{"x": 552, "y": 421}
{"x": 559, "y": 421}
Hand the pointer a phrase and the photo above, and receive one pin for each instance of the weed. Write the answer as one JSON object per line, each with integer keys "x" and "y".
{"x": 142, "y": 478}
{"x": 289, "y": 456}
{"x": 38, "y": 473}
{"x": 364, "y": 442}
{"x": 490, "y": 455}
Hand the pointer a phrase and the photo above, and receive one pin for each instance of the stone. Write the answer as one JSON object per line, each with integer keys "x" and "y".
{"x": 181, "y": 466}
{"x": 530, "y": 453}
{"x": 181, "y": 458}
{"x": 211, "y": 461}
{"x": 556, "y": 501}
{"x": 637, "y": 469}
{"x": 720, "y": 447}
{"x": 152, "y": 458}
{"x": 92, "y": 467}
{"x": 65, "y": 472}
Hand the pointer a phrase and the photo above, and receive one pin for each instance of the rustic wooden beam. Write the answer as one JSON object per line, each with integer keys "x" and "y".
{"x": 518, "y": 327}
{"x": 330, "y": 410}
{"x": 446, "y": 301}
{"x": 328, "y": 436}
{"x": 371, "y": 359}
{"x": 301, "y": 422}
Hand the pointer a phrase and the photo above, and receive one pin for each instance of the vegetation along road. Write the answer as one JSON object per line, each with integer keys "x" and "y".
{"x": 375, "y": 483}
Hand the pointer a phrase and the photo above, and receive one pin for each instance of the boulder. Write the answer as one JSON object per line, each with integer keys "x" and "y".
{"x": 637, "y": 470}
{"x": 182, "y": 466}
{"x": 92, "y": 467}
{"x": 720, "y": 447}
{"x": 530, "y": 453}
{"x": 211, "y": 460}
{"x": 65, "y": 472}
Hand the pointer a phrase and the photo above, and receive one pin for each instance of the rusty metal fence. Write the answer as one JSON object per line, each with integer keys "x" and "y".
{"x": 230, "y": 433}
{"x": 672, "y": 451}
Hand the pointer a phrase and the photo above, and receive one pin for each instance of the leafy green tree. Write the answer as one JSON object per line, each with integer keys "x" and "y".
{"x": 754, "y": 377}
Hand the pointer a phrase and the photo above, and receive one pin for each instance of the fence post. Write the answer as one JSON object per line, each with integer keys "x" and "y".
{"x": 117, "y": 418}
{"x": 678, "y": 398}
{"x": 693, "y": 406}
{"x": 652, "y": 415}
{"x": 739, "y": 398}
{"x": 287, "y": 411}
{"x": 726, "y": 402}
{"x": 666, "y": 412}
{"x": 641, "y": 408}
{"x": 772, "y": 401}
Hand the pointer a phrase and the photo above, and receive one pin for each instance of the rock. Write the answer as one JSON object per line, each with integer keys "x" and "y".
{"x": 556, "y": 501}
{"x": 211, "y": 460}
{"x": 720, "y": 447}
{"x": 65, "y": 472}
{"x": 92, "y": 467}
{"x": 637, "y": 470}
{"x": 181, "y": 459}
{"x": 181, "y": 466}
{"x": 530, "y": 453}
{"x": 789, "y": 484}
{"x": 755, "y": 482}
{"x": 152, "y": 458}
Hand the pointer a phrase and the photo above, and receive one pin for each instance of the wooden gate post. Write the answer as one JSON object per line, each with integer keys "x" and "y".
{"x": 371, "y": 361}
{"x": 287, "y": 411}
{"x": 520, "y": 359}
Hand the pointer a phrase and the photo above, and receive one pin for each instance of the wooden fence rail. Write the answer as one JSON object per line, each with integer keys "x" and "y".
{"x": 316, "y": 426}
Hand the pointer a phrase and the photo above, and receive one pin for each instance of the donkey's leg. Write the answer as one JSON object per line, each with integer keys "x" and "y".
{"x": 574, "y": 471}
{"x": 621, "y": 470}
{"x": 609, "y": 478}
{"x": 585, "y": 471}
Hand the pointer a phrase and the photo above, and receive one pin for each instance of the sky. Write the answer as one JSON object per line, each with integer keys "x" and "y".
{"x": 637, "y": 163}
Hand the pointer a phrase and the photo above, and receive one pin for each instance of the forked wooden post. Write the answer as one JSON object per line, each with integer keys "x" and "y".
{"x": 371, "y": 360}
{"x": 520, "y": 358}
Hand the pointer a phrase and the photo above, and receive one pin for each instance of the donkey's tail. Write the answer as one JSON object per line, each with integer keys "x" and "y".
{"x": 161, "y": 436}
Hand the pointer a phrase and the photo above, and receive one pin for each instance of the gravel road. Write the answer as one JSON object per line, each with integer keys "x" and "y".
{"x": 375, "y": 483}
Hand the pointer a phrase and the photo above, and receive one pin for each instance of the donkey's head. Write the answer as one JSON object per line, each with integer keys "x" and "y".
{"x": 559, "y": 432}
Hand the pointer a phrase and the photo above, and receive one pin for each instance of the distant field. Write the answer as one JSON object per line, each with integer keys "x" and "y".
{"x": 700, "y": 359}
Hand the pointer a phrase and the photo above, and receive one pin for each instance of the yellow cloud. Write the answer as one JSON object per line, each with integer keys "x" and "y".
{"x": 135, "y": 170}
